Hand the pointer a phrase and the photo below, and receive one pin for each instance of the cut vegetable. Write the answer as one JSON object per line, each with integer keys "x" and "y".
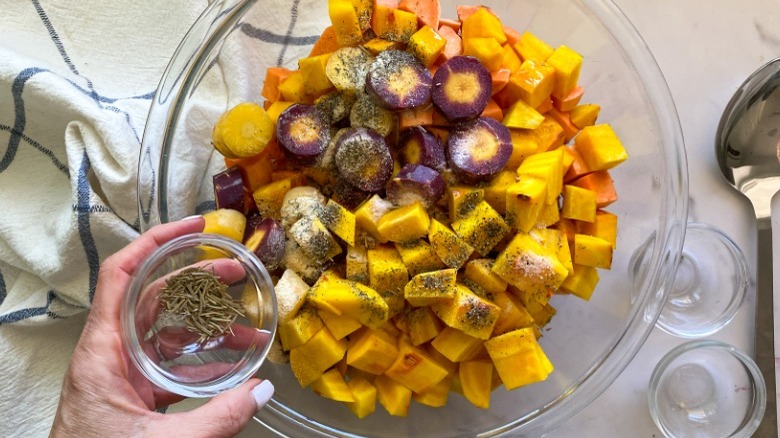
{"x": 367, "y": 113}
{"x": 479, "y": 149}
{"x": 419, "y": 146}
{"x": 347, "y": 68}
{"x": 416, "y": 183}
{"x": 303, "y": 132}
{"x": 398, "y": 80}
{"x": 363, "y": 159}
{"x": 229, "y": 190}
{"x": 267, "y": 242}
{"x": 242, "y": 131}
{"x": 461, "y": 88}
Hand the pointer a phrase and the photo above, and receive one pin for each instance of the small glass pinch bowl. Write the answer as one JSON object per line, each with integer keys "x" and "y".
{"x": 181, "y": 360}
{"x": 707, "y": 388}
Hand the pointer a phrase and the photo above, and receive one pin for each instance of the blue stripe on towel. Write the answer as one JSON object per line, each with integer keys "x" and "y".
{"x": 286, "y": 40}
{"x": 31, "y": 312}
{"x": 20, "y": 120}
{"x": 270, "y": 37}
{"x": 3, "y": 288}
{"x": 46, "y": 151}
{"x": 83, "y": 211}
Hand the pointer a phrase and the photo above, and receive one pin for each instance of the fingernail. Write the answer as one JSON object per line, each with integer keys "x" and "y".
{"x": 194, "y": 216}
{"x": 262, "y": 393}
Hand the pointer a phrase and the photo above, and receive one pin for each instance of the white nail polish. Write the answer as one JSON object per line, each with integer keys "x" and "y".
{"x": 194, "y": 216}
{"x": 262, "y": 393}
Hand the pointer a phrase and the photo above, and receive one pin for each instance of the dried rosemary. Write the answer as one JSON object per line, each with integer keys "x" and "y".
{"x": 201, "y": 301}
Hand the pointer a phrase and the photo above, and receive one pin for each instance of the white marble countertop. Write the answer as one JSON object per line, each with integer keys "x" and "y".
{"x": 705, "y": 49}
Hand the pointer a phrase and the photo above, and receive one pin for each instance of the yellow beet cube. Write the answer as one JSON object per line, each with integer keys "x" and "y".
{"x": 269, "y": 197}
{"x": 314, "y": 238}
{"x": 297, "y": 330}
{"x": 567, "y": 64}
{"x": 405, "y": 223}
{"x": 369, "y": 212}
{"x": 487, "y": 50}
{"x": 388, "y": 275}
{"x": 524, "y": 144}
{"x": 510, "y": 60}
{"x": 345, "y": 22}
{"x": 530, "y": 46}
{"x": 455, "y": 345}
{"x": 339, "y": 325}
{"x": 592, "y": 251}
{"x": 584, "y": 115}
{"x": 513, "y": 314}
{"x": 435, "y": 396}
{"x": 426, "y": 44}
{"x": 578, "y": 203}
{"x": 310, "y": 360}
{"x": 462, "y": 199}
{"x": 393, "y": 396}
{"x": 419, "y": 256}
{"x": 313, "y": 74}
{"x": 414, "y": 369}
{"x": 332, "y": 385}
{"x": 533, "y": 82}
{"x": 522, "y": 115}
{"x": 357, "y": 264}
{"x": 483, "y": 24}
{"x": 351, "y": 299}
{"x": 582, "y": 282}
{"x": 293, "y": 88}
{"x": 483, "y": 228}
{"x": 372, "y": 351}
{"x": 468, "y": 312}
{"x": 604, "y": 226}
{"x": 377, "y": 45}
{"x": 393, "y": 24}
{"x": 451, "y": 249}
{"x": 479, "y": 273}
{"x": 550, "y": 215}
{"x": 524, "y": 201}
{"x": 599, "y": 147}
{"x": 431, "y": 287}
{"x": 364, "y": 395}
{"x": 518, "y": 358}
{"x": 476, "y": 380}
{"x": 424, "y": 325}
{"x": 527, "y": 265}
{"x": 339, "y": 221}
{"x": 549, "y": 135}
{"x": 495, "y": 190}
{"x": 547, "y": 166}
{"x": 277, "y": 108}
{"x": 556, "y": 242}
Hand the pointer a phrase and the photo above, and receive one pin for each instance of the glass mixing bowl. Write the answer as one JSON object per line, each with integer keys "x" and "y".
{"x": 222, "y": 62}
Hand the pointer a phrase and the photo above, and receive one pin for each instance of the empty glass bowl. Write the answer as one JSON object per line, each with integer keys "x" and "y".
{"x": 173, "y": 356}
{"x": 707, "y": 389}
{"x": 222, "y": 61}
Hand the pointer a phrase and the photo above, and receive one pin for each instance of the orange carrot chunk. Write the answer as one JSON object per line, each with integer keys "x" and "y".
{"x": 326, "y": 43}
{"x": 273, "y": 77}
{"x": 602, "y": 184}
{"x": 427, "y": 11}
{"x": 499, "y": 79}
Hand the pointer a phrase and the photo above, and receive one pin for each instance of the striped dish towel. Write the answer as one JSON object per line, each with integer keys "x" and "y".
{"x": 76, "y": 83}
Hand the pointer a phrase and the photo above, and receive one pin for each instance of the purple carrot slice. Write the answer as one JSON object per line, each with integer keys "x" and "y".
{"x": 479, "y": 149}
{"x": 363, "y": 159}
{"x": 416, "y": 183}
{"x": 419, "y": 146}
{"x": 229, "y": 189}
{"x": 398, "y": 80}
{"x": 461, "y": 88}
{"x": 267, "y": 240}
{"x": 348, "y": 195}
{"x": 303, "y": 132}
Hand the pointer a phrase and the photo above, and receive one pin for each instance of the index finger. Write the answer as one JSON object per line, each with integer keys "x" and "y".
{"x": 118, "y": 270}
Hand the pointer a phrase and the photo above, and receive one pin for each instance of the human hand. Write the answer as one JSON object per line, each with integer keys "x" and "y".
{"x": 103, "y": 393}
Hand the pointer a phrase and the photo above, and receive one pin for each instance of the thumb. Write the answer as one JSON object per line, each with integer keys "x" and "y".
{"x": 223, "y": 416}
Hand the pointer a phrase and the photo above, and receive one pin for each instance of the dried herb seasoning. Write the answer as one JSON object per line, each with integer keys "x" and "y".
{"x": 201, "y": 301}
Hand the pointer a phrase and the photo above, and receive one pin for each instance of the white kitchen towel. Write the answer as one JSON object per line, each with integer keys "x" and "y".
{"x": 76, "y": 82}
